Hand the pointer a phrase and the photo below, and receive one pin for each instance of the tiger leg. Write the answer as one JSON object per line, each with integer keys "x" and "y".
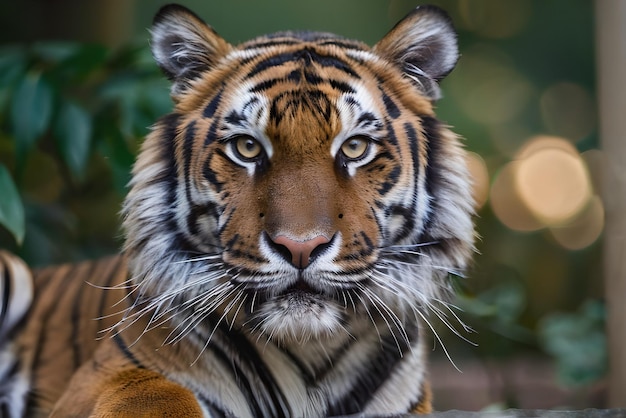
{"x": 144, "y": 393}
{"x": 114, "y": 384}
{"x": 132, "y": 392}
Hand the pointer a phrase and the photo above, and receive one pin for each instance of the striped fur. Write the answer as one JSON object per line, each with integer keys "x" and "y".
{"x": 290, "y": 227}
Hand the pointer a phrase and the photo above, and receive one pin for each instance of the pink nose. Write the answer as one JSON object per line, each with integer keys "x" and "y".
{"x": 300, "y": 250}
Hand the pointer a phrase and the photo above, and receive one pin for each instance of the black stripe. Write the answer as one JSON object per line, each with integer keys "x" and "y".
{"x": 117, "y": 338}
{"x": 372, "y": 167}
{"x": 307, "y": 56}
{"x": 209, "y": 174}
{"x": 265, "y": 85}
{"x": 5, "y": 296}
{"x": 235, "y": 118}
{"x": 343, "y": 44}
{"x": 4, "y": 409}
{"x": 327, "y": 366}
{"x": 341, "y": 86}
{"x": 390, "y": 181}
{"x": 272, "y": 43}
{"x": 271, "y": 62}
{"x": 244, "y": 365}
{"x": 409, "y": 220}
{"x": 107, "y": 285}
{"x": 430, "y": 129}
{"x": 367, "y": 119}
{"x": 169, "y": 126}
{"x": 371, "y": 377}
{"x": 312, "y": 78}
{"x": 214, "y": 410}
{"x": 66, "y": 281}
{"x": 390, "y": 105}
{"x": 76, "y": 316}
{"x": 210, "y": 109}
{"x": 196, "y": 211}
{"x": 414, "y": 149}
{"x": 211, "y": 135}
{"x": 275, "y": 404}
{"x": 188, "y": 143}
{"x": 314, "y": 100}
{"x": 240, "y": 377}
{"x": 352, "y": 102}
{"x": 391, "y": 133}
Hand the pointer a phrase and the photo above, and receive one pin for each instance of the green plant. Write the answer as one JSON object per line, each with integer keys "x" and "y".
{"x": 577, "y": 341}
{"x": 71, "y": 116}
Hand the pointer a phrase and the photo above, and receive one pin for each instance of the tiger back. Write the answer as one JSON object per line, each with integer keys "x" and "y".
{"x": 71, "y": 309}
{"x": 289, "y": 229}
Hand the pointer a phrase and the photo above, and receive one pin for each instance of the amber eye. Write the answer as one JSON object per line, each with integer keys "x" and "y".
{"x": 355, "y": 148}
{"x": 248, "y": 148}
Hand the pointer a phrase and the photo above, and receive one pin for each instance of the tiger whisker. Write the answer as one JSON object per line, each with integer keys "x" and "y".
{"x": 410, "y": 246}
{"x": 216, "y": 296}
{"x": 226, "y": 311}
{"x": 372, "y": 297}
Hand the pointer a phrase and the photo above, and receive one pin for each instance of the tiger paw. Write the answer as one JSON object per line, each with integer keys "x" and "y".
{"x": 143, "y": 393}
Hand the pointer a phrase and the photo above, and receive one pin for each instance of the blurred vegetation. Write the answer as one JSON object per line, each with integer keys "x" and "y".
{"x": 73, "y": 113}
{"x": 72, "y": 116}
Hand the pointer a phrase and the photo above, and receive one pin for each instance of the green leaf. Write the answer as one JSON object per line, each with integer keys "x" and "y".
{"x": 11, "y": 208}
{"x": 31, "y": 109}
{"x": 72, "y": 130}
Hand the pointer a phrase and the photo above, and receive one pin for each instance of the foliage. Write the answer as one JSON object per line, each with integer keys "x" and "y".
{"x": 71, "y": 116}
{"x": 578, "y": 343}
{"x": 576, "y": 340}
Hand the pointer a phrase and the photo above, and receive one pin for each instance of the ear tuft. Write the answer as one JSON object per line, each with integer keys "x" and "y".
{"x": 184, "y": 46}
{"x": 424, "y": 46}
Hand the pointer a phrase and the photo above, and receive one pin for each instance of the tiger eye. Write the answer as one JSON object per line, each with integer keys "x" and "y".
{"x": 248, "y": 148}
{"x": 355, "y": 148}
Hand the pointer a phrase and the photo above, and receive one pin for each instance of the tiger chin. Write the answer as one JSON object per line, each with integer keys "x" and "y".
{"x": 290, "y": 228}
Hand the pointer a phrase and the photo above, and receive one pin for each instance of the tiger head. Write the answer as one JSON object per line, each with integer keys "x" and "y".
{"x": 302, "y": 185}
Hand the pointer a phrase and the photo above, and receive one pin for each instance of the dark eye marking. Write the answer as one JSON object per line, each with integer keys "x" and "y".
{"x": 235, "y": 118}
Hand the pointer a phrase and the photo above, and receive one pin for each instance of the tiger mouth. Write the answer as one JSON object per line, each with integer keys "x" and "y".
{"x": 299, "y": 290}
{"x": 301, "y": 286}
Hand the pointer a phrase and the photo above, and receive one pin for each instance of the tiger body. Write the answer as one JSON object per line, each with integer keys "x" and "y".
{"x": 288, "y": 228}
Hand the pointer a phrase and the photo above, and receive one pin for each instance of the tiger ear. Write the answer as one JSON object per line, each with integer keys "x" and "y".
{"x": 184, "y": 46}
{"x": 424, "y": 46}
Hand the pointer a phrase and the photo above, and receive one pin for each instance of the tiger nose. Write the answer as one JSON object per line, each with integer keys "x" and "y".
{"x": 300, "y": 253}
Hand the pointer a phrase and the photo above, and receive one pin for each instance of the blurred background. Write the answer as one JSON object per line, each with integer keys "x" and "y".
{"x": 79, "y": 90}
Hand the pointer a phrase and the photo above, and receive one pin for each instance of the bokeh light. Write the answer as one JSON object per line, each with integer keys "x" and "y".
{"x": 480, "y": 178}
{"x": 584, "y": 230}
{"x": 508, "y": 205}
{"x": 553, "y": 184}
{"x": 548, "y": 184}
{"x": 552, "y": 180}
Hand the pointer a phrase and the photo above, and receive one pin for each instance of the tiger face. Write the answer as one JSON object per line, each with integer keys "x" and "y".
{"x": 302, "y": 186}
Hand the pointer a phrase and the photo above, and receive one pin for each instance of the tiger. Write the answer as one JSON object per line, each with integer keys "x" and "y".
{"x": 290, "y": 228}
